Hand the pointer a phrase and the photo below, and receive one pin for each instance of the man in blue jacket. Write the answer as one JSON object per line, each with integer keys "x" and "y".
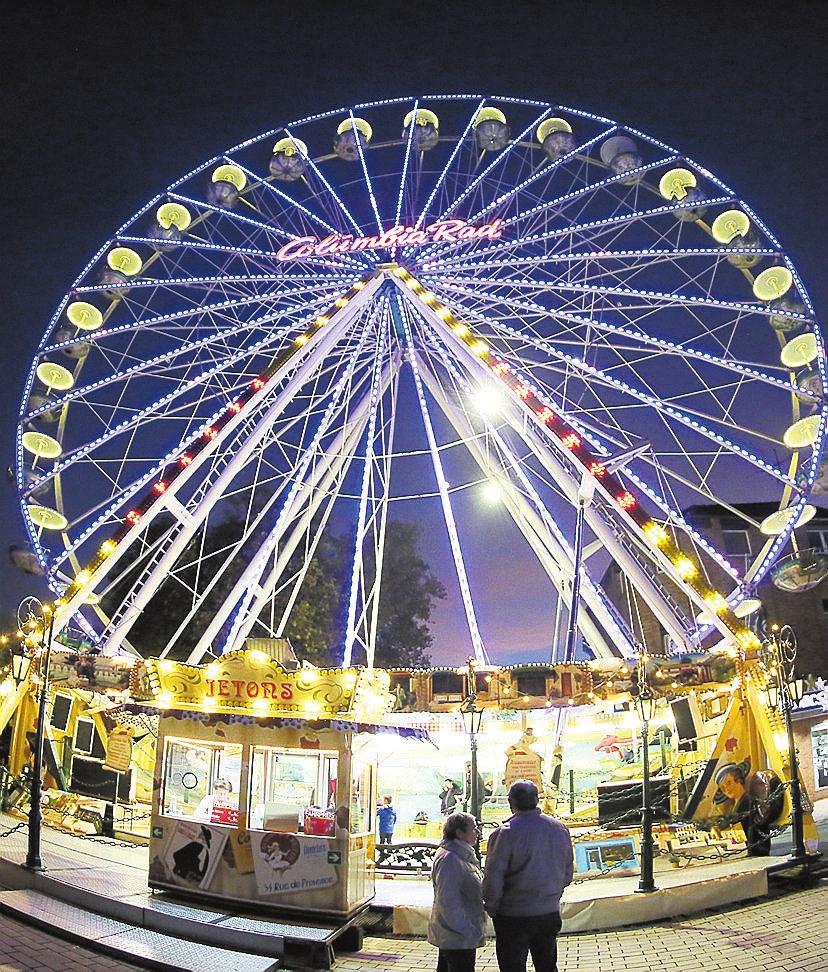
{"x": 529, "y": 862}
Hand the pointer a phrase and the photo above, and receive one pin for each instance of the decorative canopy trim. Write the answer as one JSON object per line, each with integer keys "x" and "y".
{"x": 276, "y": 722}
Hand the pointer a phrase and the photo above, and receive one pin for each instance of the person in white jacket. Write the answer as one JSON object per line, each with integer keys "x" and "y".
{"x": 458, "y": 922}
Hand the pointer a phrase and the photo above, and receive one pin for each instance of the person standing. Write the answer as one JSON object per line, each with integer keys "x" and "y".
{"x": 450, "y": 796}
{"x": 216, "y": 806}
{"x": 457, "y": 925}
{"x": 529, "y": 862}
{"x": 387, "y": 817}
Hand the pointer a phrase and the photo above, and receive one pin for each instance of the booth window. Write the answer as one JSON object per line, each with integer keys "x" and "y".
{"x": 292, "y": 789}
{"x": 190, "y": 772}
{"x": 362, "y": 819}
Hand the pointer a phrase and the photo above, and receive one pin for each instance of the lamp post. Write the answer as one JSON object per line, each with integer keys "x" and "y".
{"x": 38, "y": 618}
{"x": 785, "y": 691}
{"x": 472, "y": 720}
{"x": 645, "y": 708}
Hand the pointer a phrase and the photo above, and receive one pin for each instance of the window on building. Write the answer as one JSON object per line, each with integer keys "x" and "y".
{"x": 448, "y": 686}
{"x": 819, "y": 744}
{"x": 818, "y": 534}
{"x": 736, "y": 543}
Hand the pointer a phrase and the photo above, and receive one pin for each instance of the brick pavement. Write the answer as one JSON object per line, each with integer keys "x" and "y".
{"x": 23, "y": 948}
{"x": 786, "y": 934}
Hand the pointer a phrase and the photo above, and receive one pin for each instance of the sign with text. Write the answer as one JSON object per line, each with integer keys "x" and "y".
{"x": 443, "y": 231}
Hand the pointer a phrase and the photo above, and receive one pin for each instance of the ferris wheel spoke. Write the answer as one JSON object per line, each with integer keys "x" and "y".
{"x": 441, "y": 181}
{"x": 573, "y": 324}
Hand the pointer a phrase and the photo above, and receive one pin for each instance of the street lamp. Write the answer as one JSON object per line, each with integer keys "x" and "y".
{"x": 645, "y": 707}
{"x": 783, "y": 693}
{"x": 37, "y": 618}
{"x": 472, "y": 717}
{"x": 21, "y": 662}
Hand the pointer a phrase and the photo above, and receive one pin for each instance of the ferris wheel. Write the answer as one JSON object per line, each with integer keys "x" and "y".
{"x": 376, "y": 312}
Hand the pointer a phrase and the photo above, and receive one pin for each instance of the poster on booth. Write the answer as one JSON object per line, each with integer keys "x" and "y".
{"x": 286, "y": 865}
{"x": 191, "y": 852}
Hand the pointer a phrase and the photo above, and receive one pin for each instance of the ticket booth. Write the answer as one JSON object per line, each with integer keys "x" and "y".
{"x": 272, "y": 804}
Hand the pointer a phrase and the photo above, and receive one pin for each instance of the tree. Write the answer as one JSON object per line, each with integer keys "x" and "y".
{"x": 315, "y": 625}
{"x": 407, "y": 596}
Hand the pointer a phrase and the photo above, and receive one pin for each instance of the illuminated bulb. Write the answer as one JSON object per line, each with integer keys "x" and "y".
{"x": 492, "y": 493}
{"x": 212, "y": 670}
{"x": 260, "y": 705}
{"x": 480, "y": 348}
{"x": 82, "y": 577}
{"x": 444, "y": 313}
{"x": 258, "y": 656}
{"x": 164, "y": 700}
{"x": 656, "y": 534}
{"x": 341, "y": 301}
{"x": 461, "y": 330}
{"x": 717, "y": 602}
{"x": 685, "y": 567}
{"x": 488, "y": 401}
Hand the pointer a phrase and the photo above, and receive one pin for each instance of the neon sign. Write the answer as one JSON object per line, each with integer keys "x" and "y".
{"x": 444, "y": 231}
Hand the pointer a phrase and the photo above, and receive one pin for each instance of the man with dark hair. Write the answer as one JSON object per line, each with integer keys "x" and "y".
{"x": 529, "y": 862}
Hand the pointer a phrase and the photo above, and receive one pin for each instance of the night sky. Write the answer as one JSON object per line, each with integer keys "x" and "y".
{"x": 103, "y": 110}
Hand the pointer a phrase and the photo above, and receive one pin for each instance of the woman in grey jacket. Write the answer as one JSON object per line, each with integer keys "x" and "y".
{"x": 458, "y": 922}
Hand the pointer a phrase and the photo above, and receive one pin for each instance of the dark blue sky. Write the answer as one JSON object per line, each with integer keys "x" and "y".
{"x": 104, "y": 109}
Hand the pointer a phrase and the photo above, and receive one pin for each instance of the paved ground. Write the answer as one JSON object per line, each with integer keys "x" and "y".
{"x": 787, "y": 934}
{"x": 30, "y": 949}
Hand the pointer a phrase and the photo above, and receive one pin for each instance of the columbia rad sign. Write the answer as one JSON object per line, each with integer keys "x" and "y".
{"x": 444, "y": 231}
